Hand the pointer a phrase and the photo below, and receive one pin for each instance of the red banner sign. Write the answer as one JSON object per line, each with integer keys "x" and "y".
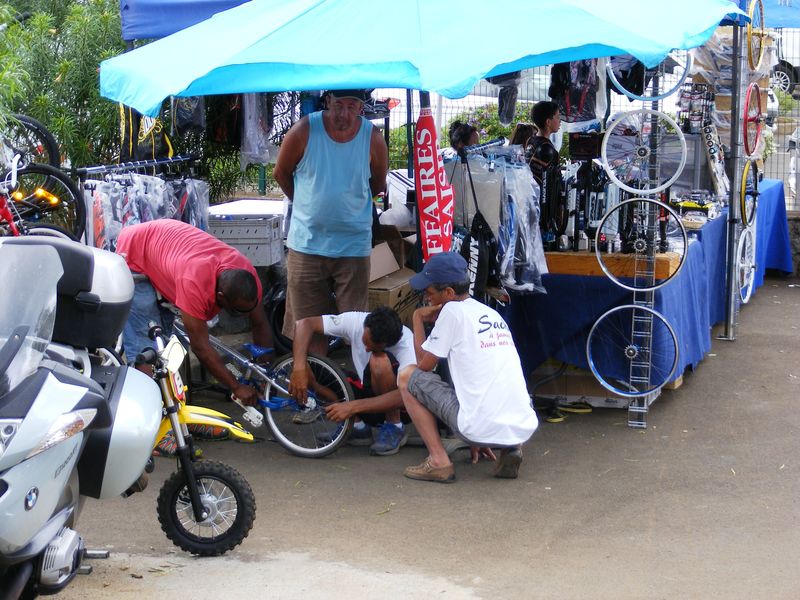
{"x": 435, "y": 199}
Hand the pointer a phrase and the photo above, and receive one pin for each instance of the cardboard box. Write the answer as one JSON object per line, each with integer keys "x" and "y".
{"x": 392, "y": 236}
{"x": 394, "y": 290}
{"x": 381, "y": 262}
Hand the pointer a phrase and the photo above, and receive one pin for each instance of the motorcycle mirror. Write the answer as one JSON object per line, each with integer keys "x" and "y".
{"x": 173, "y": 355}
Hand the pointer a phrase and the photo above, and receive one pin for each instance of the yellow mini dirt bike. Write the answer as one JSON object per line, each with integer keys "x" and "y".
{"x": 206, "y": 507}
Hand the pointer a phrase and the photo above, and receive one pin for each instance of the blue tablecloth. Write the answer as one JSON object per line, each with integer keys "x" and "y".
{"x": 556, "y": 324}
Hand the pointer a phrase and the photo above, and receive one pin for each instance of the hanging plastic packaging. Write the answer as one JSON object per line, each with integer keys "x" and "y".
{"x": 256, "y": 149}
{"x": 520, "y": 252}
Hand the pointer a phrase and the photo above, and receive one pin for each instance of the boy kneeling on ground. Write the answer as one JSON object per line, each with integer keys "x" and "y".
{"x": 380, "y": 345}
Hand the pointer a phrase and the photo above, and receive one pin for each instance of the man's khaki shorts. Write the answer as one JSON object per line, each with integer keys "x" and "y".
{"x": 312, "y": 282}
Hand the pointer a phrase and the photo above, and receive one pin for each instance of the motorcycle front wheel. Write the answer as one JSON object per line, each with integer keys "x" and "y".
{"x": 227, "y": 497}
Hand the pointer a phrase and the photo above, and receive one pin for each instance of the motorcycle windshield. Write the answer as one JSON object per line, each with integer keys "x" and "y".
{"x": 29, "y": 275}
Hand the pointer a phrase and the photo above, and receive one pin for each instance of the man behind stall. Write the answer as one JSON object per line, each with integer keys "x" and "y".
{"x": 380, "y": 345}
{"x": 488, "y": 403}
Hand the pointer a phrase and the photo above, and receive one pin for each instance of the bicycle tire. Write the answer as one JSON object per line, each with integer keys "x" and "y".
{"x": 610, "y": 343}
{"x": 46, "y": 195}
{"x": 752, "y": 119}
{"x": 755, "y": 34}
{"x": 321, "y": 436}
{"x": 639, "y": 223}
{"x": 746, "y": 264}
{"x": 30, "y": 139}
{"x": 51, "y": 231}
{"x": 636, "y": 145}
{"x": 648, "y": 76}
{"x": 748, "y": 198}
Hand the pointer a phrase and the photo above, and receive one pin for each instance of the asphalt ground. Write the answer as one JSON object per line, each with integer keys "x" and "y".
{"x": 701, "y": 504}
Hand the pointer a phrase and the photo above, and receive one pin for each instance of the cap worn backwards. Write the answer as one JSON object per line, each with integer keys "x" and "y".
{"x": 445, "y": 267}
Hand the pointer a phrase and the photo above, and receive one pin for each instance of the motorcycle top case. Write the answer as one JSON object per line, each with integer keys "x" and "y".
{"x": 94, "y": 294}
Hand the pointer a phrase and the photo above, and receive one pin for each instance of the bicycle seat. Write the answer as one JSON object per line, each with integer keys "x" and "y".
{"x": 257, "y": 351}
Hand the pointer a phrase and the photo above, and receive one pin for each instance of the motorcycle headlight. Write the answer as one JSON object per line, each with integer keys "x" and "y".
{"x": 8, "y": 429}
{"x": 65, "y": 427}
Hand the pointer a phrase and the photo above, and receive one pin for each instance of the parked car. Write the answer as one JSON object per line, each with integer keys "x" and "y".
{"x": 786, "y": 74}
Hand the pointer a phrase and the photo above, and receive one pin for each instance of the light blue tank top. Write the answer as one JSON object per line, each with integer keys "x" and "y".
{"x": 332, "y": 209}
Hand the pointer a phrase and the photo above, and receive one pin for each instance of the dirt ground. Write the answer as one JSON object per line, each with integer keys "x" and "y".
{"x": 702, "y": 504}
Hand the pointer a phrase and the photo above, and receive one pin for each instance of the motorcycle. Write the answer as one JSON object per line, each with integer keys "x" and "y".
{"x": 206, "y": 507}
{"x": 69, "y": 428}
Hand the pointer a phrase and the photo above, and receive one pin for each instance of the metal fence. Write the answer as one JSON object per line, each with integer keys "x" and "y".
{"x": 783, "y": 112}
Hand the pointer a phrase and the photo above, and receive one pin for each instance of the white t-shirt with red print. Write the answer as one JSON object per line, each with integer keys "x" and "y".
{"x": 494, "y": 406}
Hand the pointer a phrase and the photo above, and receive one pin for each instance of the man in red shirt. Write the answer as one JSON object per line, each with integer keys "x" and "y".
{"x": 199, "y": 275}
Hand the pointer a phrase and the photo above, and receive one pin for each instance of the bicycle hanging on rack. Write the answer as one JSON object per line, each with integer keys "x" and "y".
{"x": 40, "y": 200}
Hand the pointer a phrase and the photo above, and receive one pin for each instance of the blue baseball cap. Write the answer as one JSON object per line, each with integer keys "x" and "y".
{"x": 445, "y": 267}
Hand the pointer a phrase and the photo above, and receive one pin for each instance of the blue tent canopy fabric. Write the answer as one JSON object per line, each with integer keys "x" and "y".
{"x": 274, "y": 45}
{"x": 153, "y": 19}
{"x": 781, "y": 13}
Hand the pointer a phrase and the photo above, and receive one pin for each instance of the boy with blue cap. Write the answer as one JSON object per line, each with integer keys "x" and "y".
{"x": 488, "y": 403}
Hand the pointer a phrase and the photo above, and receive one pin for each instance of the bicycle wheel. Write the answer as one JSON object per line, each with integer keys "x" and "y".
{"x": 315, "y": 435}
{"x": 32, "y": 141}
{"x": 668, "y": 75}
{"x": 752, "y": 118}
{"x": 746, "y": 264}
{"x": 748, "y": 193}
{"x": 643, "y": 151}
{"x": 51, "y": 231}
{"x": 755, "y": 34}
{"x": 647, "y": 228}
{"x": 45, "y": 195}
{"x": 632, "y": 350}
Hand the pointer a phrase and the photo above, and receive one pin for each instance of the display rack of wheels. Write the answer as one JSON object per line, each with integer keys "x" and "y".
{"x": 632, "y": 350}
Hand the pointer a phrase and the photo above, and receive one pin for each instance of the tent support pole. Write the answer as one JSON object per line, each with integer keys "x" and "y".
{"x": 733, "y": 204}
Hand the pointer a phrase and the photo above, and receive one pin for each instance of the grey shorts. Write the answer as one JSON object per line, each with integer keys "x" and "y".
{"x": 437, "y": 396}
{"x": 312, "y": 281}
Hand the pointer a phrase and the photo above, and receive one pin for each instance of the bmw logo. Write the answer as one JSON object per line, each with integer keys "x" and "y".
{"x": 31, "y": 497}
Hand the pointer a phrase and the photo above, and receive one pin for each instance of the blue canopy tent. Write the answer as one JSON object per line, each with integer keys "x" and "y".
{"x": 152, "y": 19}
{"x": 272, "y": 45}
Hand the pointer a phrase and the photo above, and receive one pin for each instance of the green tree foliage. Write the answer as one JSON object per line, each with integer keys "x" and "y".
{"x": 59, "y": 50}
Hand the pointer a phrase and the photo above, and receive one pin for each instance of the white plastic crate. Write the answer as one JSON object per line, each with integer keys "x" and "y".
{"x": 258, "y": 238}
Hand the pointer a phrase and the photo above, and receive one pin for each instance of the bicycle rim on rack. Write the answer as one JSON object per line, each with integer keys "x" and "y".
{"x": 748, "y": 193}
{"x": 45, "y": 195}
{"x": 643, "y": 151}
{"x": 755, "y": 34}
{"x": 746, "y": 264}
{"x": 654, "y": 244}
{"x": 310, "y": 433}
{"x": 632, "y": 350}
{"x": 669, "y": 73}
{"x": 752, "y": 118}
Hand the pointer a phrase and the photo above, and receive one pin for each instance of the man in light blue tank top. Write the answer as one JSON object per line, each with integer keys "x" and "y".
{"x": 330, "y": 165}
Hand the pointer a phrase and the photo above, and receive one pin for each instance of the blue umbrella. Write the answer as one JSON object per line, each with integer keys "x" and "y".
{"x": 434, "y": 45}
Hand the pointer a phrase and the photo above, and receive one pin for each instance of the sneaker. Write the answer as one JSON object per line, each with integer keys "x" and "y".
{"x": 304, "y": 417}
{"x": 207, "y": 432}
{"x": 508, "y": 464}
{"x": 358, "y": 437}
{"x": 168, "y": 447}
{"x": 427, "y": 472}
{"x": 389, "y": 440}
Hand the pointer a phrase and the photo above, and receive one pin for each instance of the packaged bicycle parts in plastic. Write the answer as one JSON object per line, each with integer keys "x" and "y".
{"x": 520, "y": 253}
{"x": 579, "y": 88}
{"x": 256, "y": 128}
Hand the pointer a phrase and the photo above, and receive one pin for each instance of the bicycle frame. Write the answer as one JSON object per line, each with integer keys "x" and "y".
{"x": 5, "y": 210}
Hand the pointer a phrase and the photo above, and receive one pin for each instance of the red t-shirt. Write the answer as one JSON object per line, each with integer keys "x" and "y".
{"x": 182, "y": 262}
